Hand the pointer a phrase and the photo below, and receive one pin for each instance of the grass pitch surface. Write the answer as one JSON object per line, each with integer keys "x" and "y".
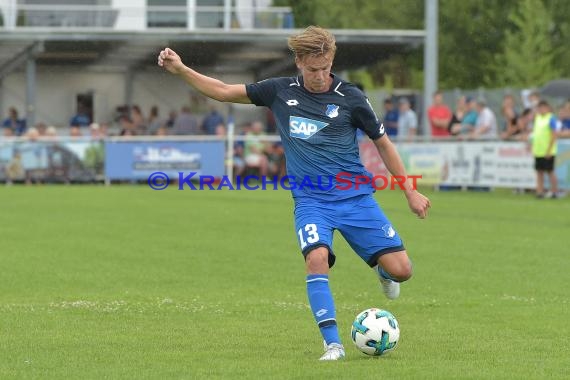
{"x": 126, "y": 282}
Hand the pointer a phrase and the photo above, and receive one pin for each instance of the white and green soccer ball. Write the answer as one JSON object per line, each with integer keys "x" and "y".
{"x": 375, "y": 332}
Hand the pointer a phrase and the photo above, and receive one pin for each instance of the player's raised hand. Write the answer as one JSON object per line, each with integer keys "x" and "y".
{"x": 171, "y": 61}
{"x": 419, "y": 204}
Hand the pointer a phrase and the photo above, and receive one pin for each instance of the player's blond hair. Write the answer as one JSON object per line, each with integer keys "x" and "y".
{"x": 313, "y": 41}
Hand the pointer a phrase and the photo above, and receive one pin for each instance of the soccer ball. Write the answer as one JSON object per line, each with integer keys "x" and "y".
{"x": 375, "y": 332}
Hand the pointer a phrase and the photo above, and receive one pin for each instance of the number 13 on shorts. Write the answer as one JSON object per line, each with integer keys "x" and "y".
{"x": 308, "y": 235}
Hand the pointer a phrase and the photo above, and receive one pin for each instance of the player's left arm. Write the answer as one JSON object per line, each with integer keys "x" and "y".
{"x": 419, "y": 203}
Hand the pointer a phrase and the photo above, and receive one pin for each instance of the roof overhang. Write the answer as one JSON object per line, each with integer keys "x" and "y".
{"x": 262, "y": 52}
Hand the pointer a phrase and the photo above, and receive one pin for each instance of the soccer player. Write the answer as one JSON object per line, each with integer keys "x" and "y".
{"x": 317, "y": 114}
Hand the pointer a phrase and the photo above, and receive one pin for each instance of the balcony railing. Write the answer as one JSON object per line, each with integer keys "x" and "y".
{"x": 24, "y": 16}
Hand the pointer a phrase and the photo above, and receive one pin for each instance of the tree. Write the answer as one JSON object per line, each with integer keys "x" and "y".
{"x": 528, "y": 57}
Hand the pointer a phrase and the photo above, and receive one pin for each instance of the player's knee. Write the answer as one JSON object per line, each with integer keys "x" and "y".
{"x": 402, "y": 272}
{"x": 317, "y": 261}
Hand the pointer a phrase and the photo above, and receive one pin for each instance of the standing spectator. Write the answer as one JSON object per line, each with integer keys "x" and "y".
{"x": 211, "y": 121}
{"x": 185, "y": 123}
{"x": 518, "y": 128}
{"x": 508, "y": 112}
{"x": 544, "y": 149}
{"x": 390, "y": 118}
{"x": 468, "y": 121}
{"x": 14, "y": 123}
{"x": 564, "y": 120}
{"x": 457, "y": 116}
{"x": 407, "y": 121}
{"x": 439, "y": 116}
{"x": 486, "y": 126}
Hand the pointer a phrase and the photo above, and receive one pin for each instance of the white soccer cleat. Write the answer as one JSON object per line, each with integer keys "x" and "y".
{"x": 334, "y": 351}
{"x": 391, "y": 288}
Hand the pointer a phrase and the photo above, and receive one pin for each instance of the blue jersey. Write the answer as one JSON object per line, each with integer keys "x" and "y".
{"x": 318, "y": 131}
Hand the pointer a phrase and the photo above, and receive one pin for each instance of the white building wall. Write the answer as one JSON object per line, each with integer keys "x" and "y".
{"x": 56, "y": 90}
{"x": 132, "y": 14}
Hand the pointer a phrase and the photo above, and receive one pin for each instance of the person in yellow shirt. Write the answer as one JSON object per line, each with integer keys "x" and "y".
{"x": 544, "y": 149}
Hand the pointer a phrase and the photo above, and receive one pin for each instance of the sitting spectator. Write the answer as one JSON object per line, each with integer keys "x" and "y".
{"x": 138, "y": 120}
{"x": 81, "y": 118}
{"x": 238, "y": 160}
{"x": 407, "y": 121}
{"x": 211, "y": 121}
{"x": 185, "y": 123}
{"x": 486, "y": 126}
{"x": 127, "y": 126}
{"x": 15, "y": 169}
{"x": 153, "y": 122}
{"x": 14, "y": 123}
{"x": 254, "y": 149}
{"x": 75, "y": 132}
{"x": 276, "y": 160}
{"x": 41, "y": 127}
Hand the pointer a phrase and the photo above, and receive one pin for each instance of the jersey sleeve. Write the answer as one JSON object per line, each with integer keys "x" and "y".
{"x": 553, "y": 123}
{"x": 262, "y": 93}
{"x": 364, "y": 117}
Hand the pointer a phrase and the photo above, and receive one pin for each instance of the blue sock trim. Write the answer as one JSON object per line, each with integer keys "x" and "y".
{"x": 318, "y": 277}
{"x": 385, "y": 274}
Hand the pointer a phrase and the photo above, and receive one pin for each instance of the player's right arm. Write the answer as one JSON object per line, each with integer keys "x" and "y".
{"x": 210, "y": 87}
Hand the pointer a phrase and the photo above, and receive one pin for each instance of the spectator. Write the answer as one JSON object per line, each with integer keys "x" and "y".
{"x": 81, "y": 118}
{"x": 51, "y": 132}
{"x": 276, "y": 160}
{"x": 211, "y": 121}
{"x": 185, "y": 123}
{"x": 544, "y": 149}
{"x": 564, "y": 120}
{"x": 14, "y": 123}
{"x": 154, "y": 122}
{"x": 75, "y": 132}
{"x": 518, "y": 128}
{"x": 407, "y": 121}
{"x": 41, "y": 127}
{"x": 172, "y": 115}
{"x": 470, "y": 118}
{"x": 439, "y": 116}
{"x": 254, "y": 149}
{"x": 486, "y": 126}
{"x": 127, "y": 126}
{"x": 457, "y": 116}
{"x": 390, "y": 118}
{"x": 508, "y": 112}
{"x": 95, "y": 131}
{"x": 15, "y": 169}
{"x": 138, "y": 120}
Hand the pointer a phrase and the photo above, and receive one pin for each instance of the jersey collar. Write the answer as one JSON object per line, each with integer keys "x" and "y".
{"x": 335, "y": 82}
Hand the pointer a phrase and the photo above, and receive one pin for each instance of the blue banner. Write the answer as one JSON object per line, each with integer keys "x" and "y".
{"x": 133, "y": 160}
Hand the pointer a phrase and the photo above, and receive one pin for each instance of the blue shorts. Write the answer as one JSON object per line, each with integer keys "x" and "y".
{"x": 360, "y": 220}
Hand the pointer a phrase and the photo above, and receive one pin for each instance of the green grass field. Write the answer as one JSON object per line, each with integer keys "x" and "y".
{"x": 126, "y": 282}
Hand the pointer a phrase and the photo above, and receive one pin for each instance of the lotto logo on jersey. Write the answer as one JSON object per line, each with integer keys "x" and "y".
{"x": 302, "y": 128}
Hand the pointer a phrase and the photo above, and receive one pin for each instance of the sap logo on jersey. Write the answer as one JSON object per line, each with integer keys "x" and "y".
{"x": 303, "y": 128}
